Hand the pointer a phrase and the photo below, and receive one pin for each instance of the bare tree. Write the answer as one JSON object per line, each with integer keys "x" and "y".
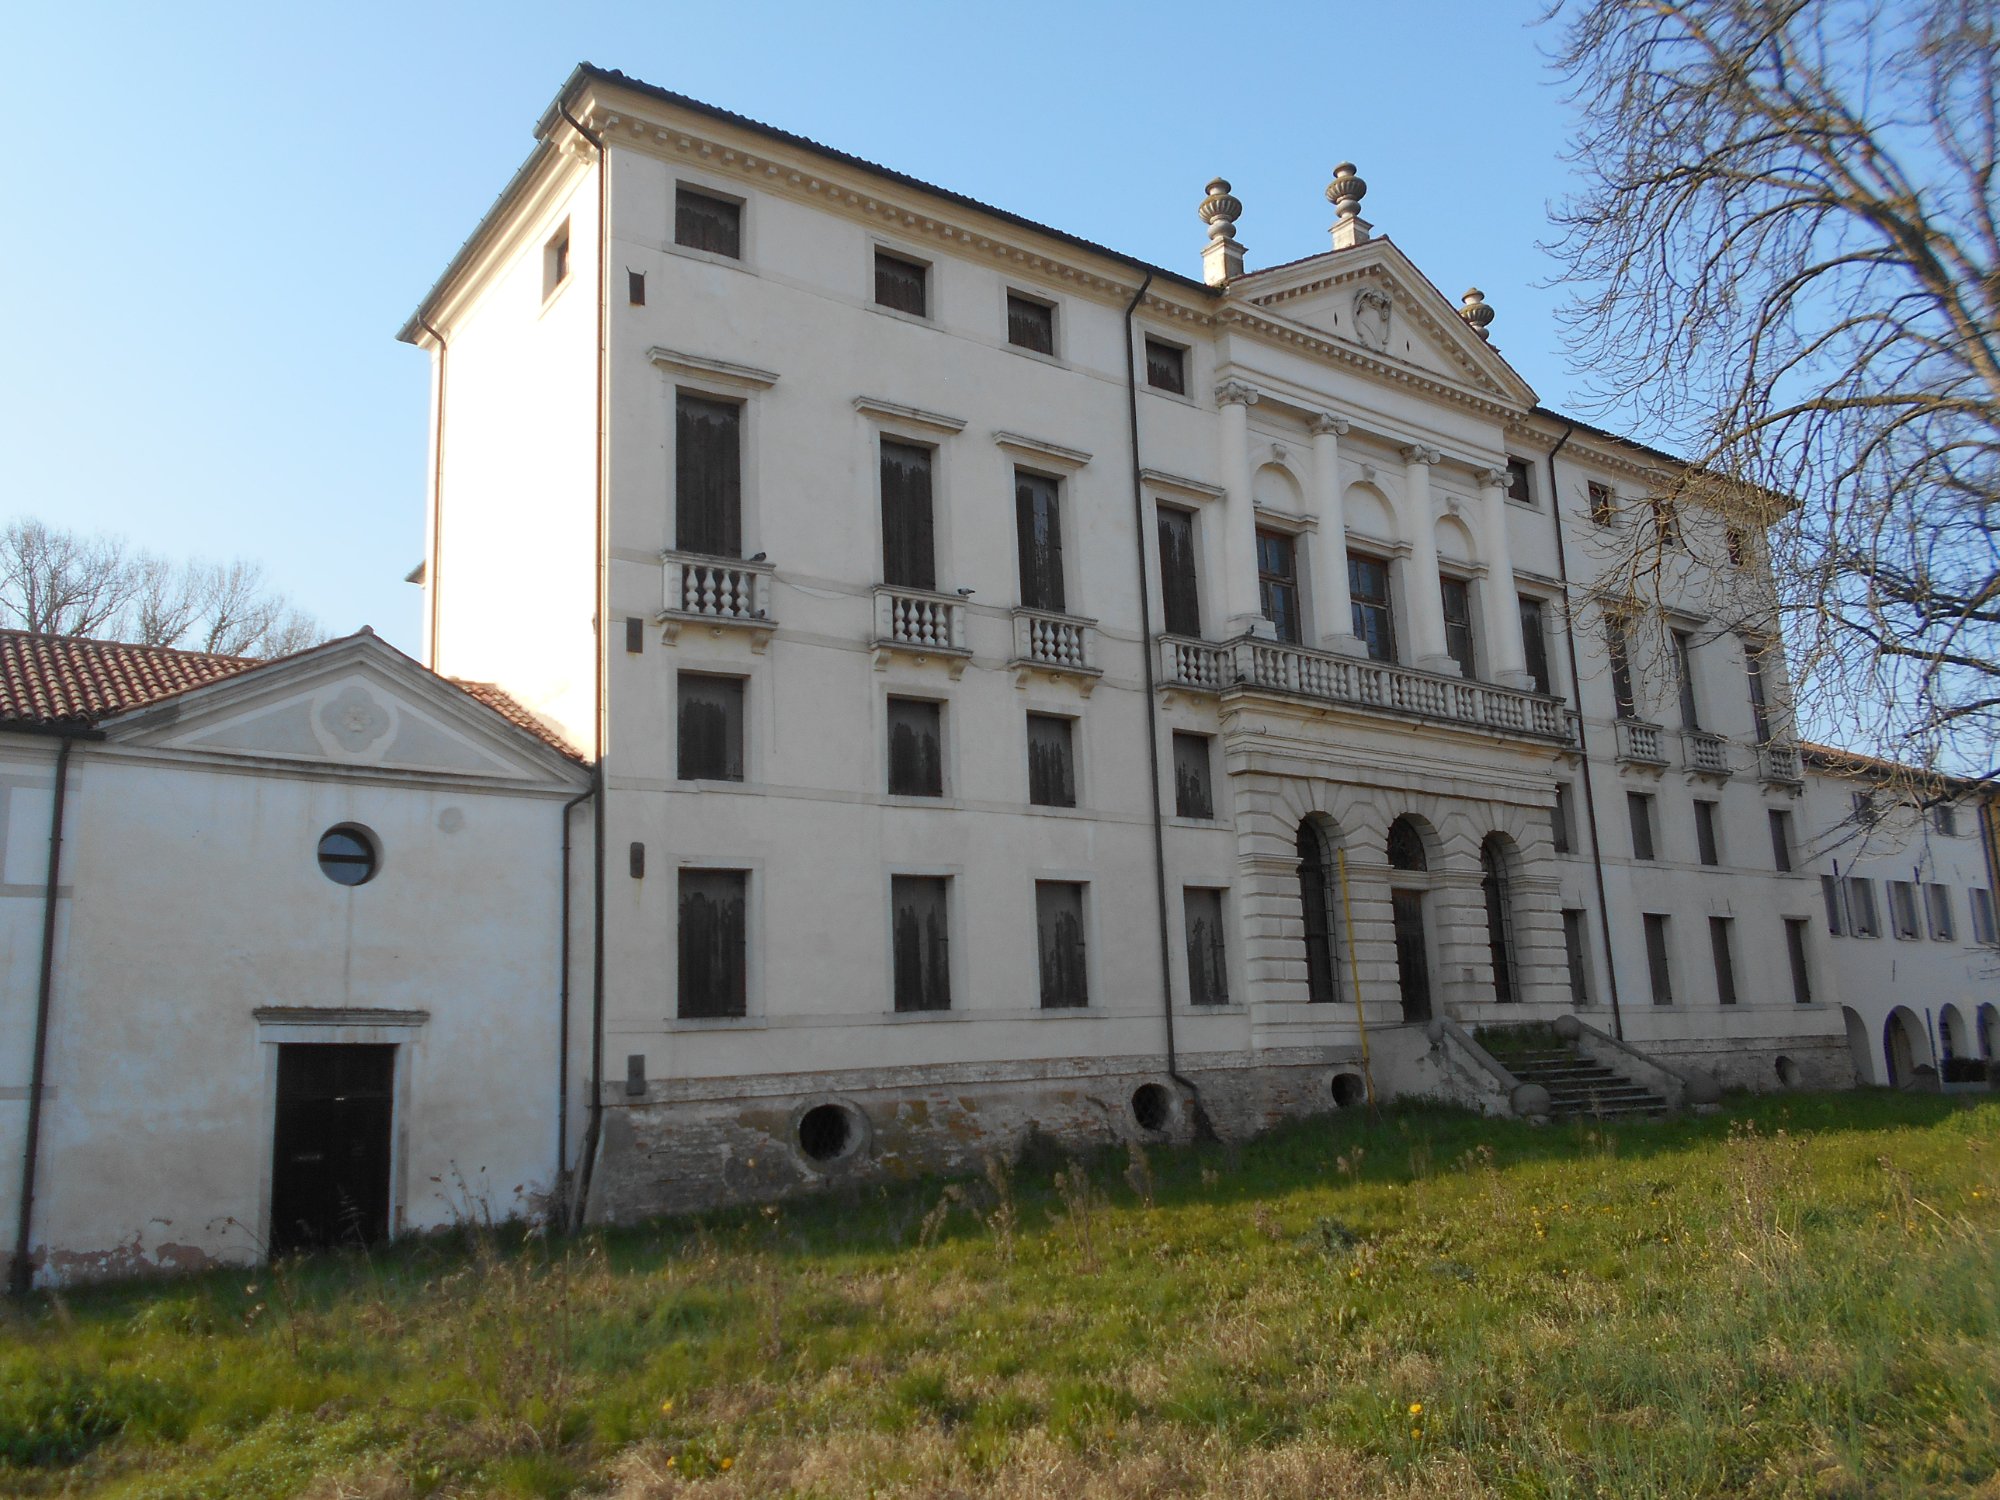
{"x": 1786, "y": 265}
{"x": 57, "y": 583}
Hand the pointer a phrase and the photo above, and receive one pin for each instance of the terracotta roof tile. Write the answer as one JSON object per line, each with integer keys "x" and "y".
{"x": 66, "y": 680}
{"x": 497, "y": 699}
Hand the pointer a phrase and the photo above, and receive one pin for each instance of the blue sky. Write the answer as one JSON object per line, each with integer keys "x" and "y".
{"x": 221, "y": 215}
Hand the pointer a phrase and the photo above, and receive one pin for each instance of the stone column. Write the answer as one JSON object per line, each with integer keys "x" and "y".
{"x": 1336, "y": 610}
{"x": 1243, "y": 614}
{"x": 1424, "y": 603}
{"x": 1506, "y": 657}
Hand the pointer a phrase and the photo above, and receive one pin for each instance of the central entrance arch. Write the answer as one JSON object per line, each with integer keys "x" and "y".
{"x": 1407, "y": 858}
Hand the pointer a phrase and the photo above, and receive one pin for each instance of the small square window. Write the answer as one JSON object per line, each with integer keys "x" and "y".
{"x": 902, "y": 284}
{"x": 916, "y": 748}
{"x": 703, "y": 221}
{"x": 1051, "y": 761}
{"x": 711, "y": 727}
{"x": 1518, "y": 484}
{"x": 1166, "y": 366}
{"x": 555, "y": 261}
{"x": 1194, "y": 794}
{"x": 1031, "y": 324}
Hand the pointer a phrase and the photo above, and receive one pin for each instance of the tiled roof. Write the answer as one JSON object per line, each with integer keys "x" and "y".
{"x": 497, "y": 699}
{"x": 65, "y": 680}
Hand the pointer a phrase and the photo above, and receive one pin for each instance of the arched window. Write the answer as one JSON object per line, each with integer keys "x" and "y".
{"x": 1406, "y": 846}
{"x": 1499, "y": 917}
{"x": 1316, "y": 894}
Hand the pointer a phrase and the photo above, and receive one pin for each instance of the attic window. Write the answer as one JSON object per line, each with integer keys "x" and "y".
{"x": 1166, "y": 366}
{"x": 555, "y": 262}
{"x": 703, "y": 221}
{"x": 347, "y": 855}
{"x": 1517, "y": 481}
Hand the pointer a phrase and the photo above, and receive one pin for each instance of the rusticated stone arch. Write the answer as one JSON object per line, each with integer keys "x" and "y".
{"x": 1499, "y": 872}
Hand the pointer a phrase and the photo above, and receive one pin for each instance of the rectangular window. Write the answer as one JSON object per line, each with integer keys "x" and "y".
{"x": 1368, "y": 587}
{"x": 1937, "y": 907}
{"x": 916, "y": 748}
{"x": 1194, "y": 793}
{"x": 1166, "y": 366}
{"x": 1562, "y": 820}
{"x": 1535, "y": 643}
{"x": 1705, "y": 842}
{"x": 1865, "y": 812}
{"x": 1278, "y": 583}
{"x": 909, "y": 548}
{"x": 1603, "y": 503}
{"x": 1736, "y": 544}
{"x": 1982, "y": 915}
{"x": 1836, "y": 907}
{"x": 1666, "y": 522}
{"x": 1753, "y": 671}
{"x": 1038, "y": 533}
{"x": 902, "y": 284}
{"x": 1684, "y": 679}
{"x": 703, "y": 221}
{"x": 1639, "y": 808}
{"x": 1180, "y": 597}
{"x": 1944, "y": 820}
{"x": 635, "y": 287}
{"x": 1903, "y": 910}
{"x": 714, "y": 944}
{"x": 555, "y": 261}
{"x": 1720, "y": 938}
{"x": 1626, "y": 704}
{"x": 1457, "y": 596}
{"x": 1059, "y": 944}
{"x": 1051, "y": 761}
{"x": 1795, "y": 950}
{"x": 1574, "y": 936}
{"x": 1781, "y": 839}
{"x": 919, "y": 936}
{"x": 708, "y": 476}
{"x": 1657, "y": 967}
{"x": 1517, "y": 481}
{"x": 710, "y": 727}
{"x": 1207, "y": 959}
{"x": 1862, "y": 920}
{"x": 1031, "y": 324}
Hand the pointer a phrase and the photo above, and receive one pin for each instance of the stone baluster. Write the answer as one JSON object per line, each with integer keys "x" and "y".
{"x": 1507, "y": 657}
{"x": 1242, "y": 608}
{"x": 1424, "y": 597}
{"x": 1336, "y": 609}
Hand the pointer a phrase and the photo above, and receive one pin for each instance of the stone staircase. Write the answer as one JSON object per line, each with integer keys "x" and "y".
{"x": 1579, "y": 1087}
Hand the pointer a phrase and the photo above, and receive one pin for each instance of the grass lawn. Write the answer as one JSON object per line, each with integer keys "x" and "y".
{"x": 1798, "y": 1296}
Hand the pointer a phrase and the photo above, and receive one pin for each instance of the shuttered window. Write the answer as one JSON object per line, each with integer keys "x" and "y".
{"x": 710, "y": 727}
{"x": 713, "y": 943}
{"x": 1836, "y": 908}
{"x": 1721, "y": 941}
{"x": 909, "y": 556}
{"x": 1575, "y": 956}
{"x": 1166, "y": 367}
{"x": 1760, "y": 713}
{"x": 1368, "y": 587}
{"x": 1639, "y": 808}
{"x": 1051, "y": 761}
{"x": 1795, "y": 949}
{"x": 703, "y": 221}
{"x": 1059, "y": 944}
{"x": 1937, "y": 905}
{"x": 1781, "y": 838}
{"x": 1683, "y": 647}
{"x": 708, "y": 476}
{"x": 902, "y": 284}
{"x": 1031, "y": 324}
{"x": 916, "y": 748}
{"x": 1207, "y": 958}
{"x": 1457, "y": 597}
{"x": 1656, "y": 959}
{"x": 1038, "y": 531}
{"x": 1194, "y": 792}
{"x": 1180, "y": 598}
{"x": 920, "y": 939}
{"x": 1535, "y": 643}
{"x": 1705, "y": 844}
{"x": 1626, "y": 705}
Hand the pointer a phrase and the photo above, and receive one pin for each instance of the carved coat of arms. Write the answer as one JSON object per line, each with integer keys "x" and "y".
{"x": 1371, "y": 317}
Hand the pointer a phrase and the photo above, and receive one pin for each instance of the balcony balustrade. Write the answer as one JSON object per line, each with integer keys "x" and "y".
{"x": 1642, "y": 744}
{"x": 721, "y": 593}
{"x": 1707, "y": 754}
{"x": 1375, "y": 686}
{"x": 919, "y": 623}
{"x": 1058, "y": 645}
{"x": 1779, "y": 764}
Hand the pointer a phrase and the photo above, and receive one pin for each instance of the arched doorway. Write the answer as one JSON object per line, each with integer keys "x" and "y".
{"x": 1900, "y": 1051}
{"x": 1952, "y": 1038}
{"x": 1318, "y": 892}
{"x": 1407, "y": 859}
{"x": 1495, "y": 856}
{"x": 1860, "y": 1048}
{"x": 1987, "y": 1023}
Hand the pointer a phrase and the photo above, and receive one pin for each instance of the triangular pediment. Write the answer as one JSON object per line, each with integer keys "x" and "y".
{"x": 1372, "y": 300}
{"x": 355, "y": 704}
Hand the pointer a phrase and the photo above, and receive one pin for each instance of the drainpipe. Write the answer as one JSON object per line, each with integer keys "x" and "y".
{"x": 562, "y": 1022}
{"x": 595, "y": 1134}
{"x": 437, "y": 494}
{"x": 1201, "y": 1122}
{"x": 1583, "y": 742}
{"x": 20, "y": 1273}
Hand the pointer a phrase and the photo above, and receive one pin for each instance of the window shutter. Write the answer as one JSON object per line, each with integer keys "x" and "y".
{"x": 708, "y": 477}
{"x": 1038, "y": 525}
{"x": 908, "y": 554}
{"x": 1179, "y": 598}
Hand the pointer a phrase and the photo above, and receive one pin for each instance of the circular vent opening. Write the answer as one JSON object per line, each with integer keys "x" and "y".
{"x": 1152, "y": 1106}
{"x": 826, "y": 1132}
{"x": 1788, "y": 1073}
{"x": 1348, "y": 1090}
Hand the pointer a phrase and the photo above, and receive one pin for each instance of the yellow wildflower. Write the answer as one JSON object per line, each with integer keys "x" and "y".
{"x": 666, "y": 1406}
{"x": 1416, "y": 1408}
{"x": 727, "y": 1462}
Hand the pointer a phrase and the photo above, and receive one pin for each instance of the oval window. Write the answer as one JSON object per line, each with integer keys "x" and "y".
{"x": 347, "y": 855}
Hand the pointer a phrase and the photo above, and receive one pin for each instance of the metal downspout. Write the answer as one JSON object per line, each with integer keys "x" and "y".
{"x": 562, "y": 1022}
{"x": 20, "y": 1274}
{"x": 1582, "y": 741}
{"x": 437, "y": 495}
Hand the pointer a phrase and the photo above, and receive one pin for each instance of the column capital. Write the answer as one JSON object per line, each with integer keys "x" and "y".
{"x": 1492, "y": 479}
{"x": 1235, "y": 393}
{"x": 1421, "y": 453}
{"x": 1326, "y": 422}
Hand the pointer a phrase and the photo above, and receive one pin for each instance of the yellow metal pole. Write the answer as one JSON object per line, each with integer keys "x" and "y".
{"x": 1354, "y": 975}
